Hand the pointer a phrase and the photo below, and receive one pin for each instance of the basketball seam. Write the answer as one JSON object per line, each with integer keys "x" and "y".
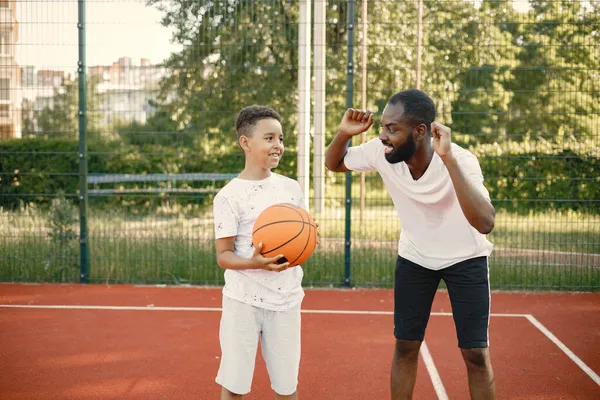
{"x": 281, "y": 222}
{"x": 283, "y": 205}
{"x": 283, "y": 244}
{"x": 304, "y": 249}
{"x": 274, "y": 223}
{"x": 303, "y": 222}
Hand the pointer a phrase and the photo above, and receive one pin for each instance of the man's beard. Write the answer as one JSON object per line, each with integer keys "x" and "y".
{"x": 404, "y": 152}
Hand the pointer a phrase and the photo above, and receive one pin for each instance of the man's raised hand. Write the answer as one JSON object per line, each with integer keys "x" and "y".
{"x": 442, "y": 139}
{"x": 356, "y": 122}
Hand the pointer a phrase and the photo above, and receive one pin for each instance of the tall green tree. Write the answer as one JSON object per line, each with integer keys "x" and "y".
{"x": 556, "y": 86}
{"x": 235, "y": 53}
{"x": 486, "y": 59}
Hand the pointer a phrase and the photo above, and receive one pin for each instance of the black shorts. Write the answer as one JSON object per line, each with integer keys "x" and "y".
{"x": 469, "y": 291}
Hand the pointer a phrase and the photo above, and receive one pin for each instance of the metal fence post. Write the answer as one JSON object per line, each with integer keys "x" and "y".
{"x": 349, "y": 93}
{"x": 83, "y": 169}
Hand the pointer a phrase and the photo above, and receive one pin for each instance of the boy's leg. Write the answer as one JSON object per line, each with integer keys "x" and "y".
{"x": 414, "y": 290}
{"x": 280, "y": 342}
{"x": 469, "y": 291}
{"x": 227, "y": 395}
{"x": 238, "y": 334}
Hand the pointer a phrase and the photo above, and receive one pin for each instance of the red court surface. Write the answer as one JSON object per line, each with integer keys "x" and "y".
{"x": 128, "y": 342}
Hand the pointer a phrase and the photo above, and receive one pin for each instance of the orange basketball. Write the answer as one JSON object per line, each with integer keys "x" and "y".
{"x": 286, "y": 229}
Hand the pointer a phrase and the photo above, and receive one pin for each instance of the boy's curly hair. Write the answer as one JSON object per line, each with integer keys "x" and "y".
{"x": 250, "y": 115}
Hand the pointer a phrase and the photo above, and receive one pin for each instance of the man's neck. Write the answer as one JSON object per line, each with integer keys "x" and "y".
{"x": 419, "y": 162}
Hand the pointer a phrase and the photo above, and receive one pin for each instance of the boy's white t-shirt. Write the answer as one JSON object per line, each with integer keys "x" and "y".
{"x": 435, "y": 232}
{"x": 236, "y": 207}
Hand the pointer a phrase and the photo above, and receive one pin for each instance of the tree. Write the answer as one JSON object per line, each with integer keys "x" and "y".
{"x": 61, "y": 118}
{"x": 480, "y": 111}
{"x": 555, "y": 93}
{"x": 235, "y": 53}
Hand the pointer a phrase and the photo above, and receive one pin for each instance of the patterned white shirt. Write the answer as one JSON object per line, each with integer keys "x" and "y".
{"x": 236, "y": 207}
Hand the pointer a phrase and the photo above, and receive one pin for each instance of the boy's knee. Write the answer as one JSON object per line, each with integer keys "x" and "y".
{"x": 476, "y": 358}
{"x": 227, "y": 394}
{"x": 407, "y": 349}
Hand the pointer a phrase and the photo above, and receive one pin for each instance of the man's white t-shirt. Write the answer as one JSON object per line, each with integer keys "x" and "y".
{"x": 236, "y": 207}
{"x": 435, "y": 233}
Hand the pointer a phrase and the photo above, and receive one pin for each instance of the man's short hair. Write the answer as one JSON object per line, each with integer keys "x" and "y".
{"x": 417, "y": 105}
{"x": 250, "y": 115}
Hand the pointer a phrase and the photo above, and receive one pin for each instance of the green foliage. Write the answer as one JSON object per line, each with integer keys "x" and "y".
{"x": 521, "y": 176}
{"x": 64, "y": 255}
{"x": 540, "y": 175}
{"x": 35, "y": 169}
{"x": 233, "y": 55}
{"x": 554, "y": 93}
{"x": 61, "y": 119}
{"x": 498, "y": 77}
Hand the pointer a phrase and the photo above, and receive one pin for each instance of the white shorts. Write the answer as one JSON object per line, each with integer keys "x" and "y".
{"x": 279, "y": 331}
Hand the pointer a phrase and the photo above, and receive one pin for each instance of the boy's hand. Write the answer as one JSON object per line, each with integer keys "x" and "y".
{"x": 355, "y": 122}
{"x": 270, "y": 263}
{"x": 442, "y": 139}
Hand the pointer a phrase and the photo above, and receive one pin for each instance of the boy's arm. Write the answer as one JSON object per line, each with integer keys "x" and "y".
{"x": 478, "y": 210}
{"x": 354, "y": 123}
{"x": 227, "y": 259}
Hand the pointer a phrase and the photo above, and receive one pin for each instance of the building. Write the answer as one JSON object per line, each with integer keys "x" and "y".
{"x": 10, "y": 73}
{"x": 126, "y": 89}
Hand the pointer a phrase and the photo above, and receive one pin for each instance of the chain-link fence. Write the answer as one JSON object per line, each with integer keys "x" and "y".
{"x": 117, "y": 121}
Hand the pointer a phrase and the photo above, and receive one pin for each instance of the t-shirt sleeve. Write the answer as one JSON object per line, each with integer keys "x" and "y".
{"x": 362, "y": 158}
{"x": 472, "y": 170}
{"x": 226, "y": 222}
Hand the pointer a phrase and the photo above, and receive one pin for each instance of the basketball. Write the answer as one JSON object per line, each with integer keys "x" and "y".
{"x": 285, "y": 229}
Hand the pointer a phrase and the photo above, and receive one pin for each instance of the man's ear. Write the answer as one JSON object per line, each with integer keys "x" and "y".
{"x": 243, "y": 142}
{"x": 420, "y": 131}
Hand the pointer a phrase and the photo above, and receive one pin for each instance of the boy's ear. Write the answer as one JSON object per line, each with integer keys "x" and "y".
{"x": 243, "y": 142}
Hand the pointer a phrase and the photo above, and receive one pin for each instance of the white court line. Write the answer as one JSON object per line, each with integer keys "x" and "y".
{"x": 529, "y": 317}
{"x": 564, "y": 348}
{"x": 153, "y": 308}
{"x": 433, "y": 372}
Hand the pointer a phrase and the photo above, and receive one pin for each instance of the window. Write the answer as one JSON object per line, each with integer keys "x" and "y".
{"x": 4, "y": 110}
{"x": 4, "y": 89}
{"x": 5, "y": 43}
{"x": 4, "y": 3}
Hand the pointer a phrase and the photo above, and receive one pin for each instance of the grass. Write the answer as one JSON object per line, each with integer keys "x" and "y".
{"x": 549, "y": 251}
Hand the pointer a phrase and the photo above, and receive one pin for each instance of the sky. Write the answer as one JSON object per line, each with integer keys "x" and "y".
{"x": 48, "y": 34}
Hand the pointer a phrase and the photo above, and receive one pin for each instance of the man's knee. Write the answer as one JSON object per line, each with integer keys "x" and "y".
{"x": 407, "y": 349}
{"x": 478, "y": 359}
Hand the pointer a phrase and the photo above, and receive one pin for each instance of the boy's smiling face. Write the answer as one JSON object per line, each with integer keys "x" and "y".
{"x": 264, "y": 146}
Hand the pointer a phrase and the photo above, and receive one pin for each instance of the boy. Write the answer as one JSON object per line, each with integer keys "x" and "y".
{"x": 261, "y": 297}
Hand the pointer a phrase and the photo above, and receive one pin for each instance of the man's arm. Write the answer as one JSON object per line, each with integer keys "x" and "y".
{"x": 353, "y": 123}
{"x": 478, "y": 210}
{"x": 227, "y": 259}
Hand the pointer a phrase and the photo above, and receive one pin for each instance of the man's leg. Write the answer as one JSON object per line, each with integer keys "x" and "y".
{"x": 414, "y": 290}
{"x": 469, "y": 291}
{"x": 481, "y": 375}
{"x": 404, "y": 368}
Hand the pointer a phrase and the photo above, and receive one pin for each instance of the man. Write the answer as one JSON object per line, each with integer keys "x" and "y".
{"x": 445, "y": 211}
